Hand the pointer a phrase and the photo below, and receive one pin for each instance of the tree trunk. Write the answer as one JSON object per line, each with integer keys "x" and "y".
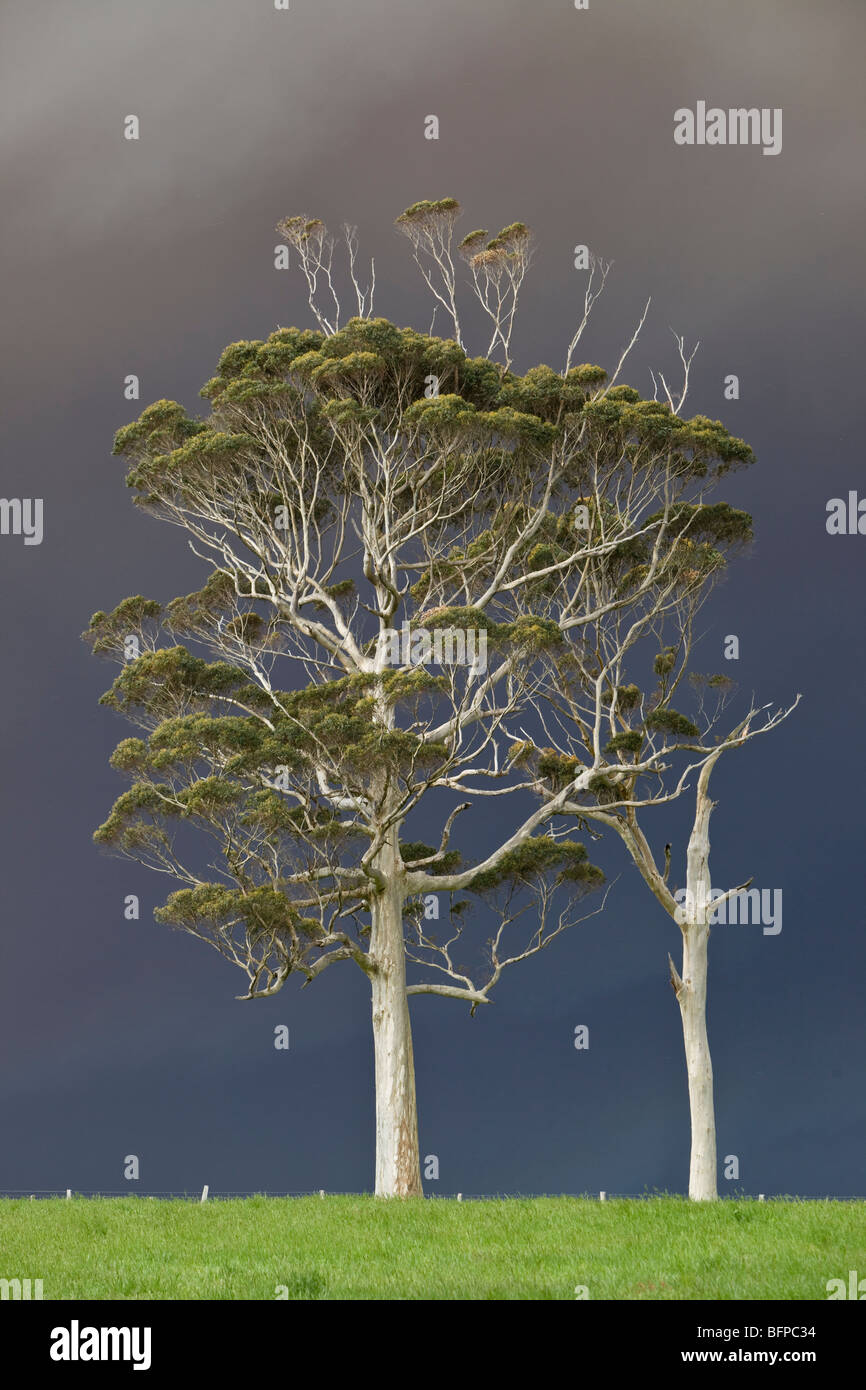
{"x": 691, "y": 991}
{"x": 398, "y": 1169}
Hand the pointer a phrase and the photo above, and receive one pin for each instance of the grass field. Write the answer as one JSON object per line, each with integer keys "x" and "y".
{"x": 358, "y": 1248}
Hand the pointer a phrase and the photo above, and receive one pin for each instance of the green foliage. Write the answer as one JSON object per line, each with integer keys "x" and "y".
{"x": 425, "y": 210}
{"x": 544, "y": 393}
{"x": 344, "y": 413}
{"x": 529, "y": 633}
{"x": 371, "y": 375}
{"x": 558, "y": 768}
{"x": 263, "y": 911}
{"x": 536, "y": 857}
{"x": 631, "y": 741}
{"x": 628, "y": 697}
{"x": 161, "y": 680}
{"x": 519, "y": 426}
{"x": 665, "y": 661}
{"x": 482, "y": 382}
{"x": 446, "y": 862}
{"x": 510, "y": 237}
{"x": 160, "y": 428}
{"x": 472, "y": 242}
{"x": 438, "y": 414}
{"x": 714, "y": 524}
{"x": 456, "y": 617}
{"x": 204, "y": 606}
{"x": 587, "y": 375}
{"x": 130, "y": 755}
{"x": 623, "y": 393}
{"x": 407, "y": 685}
{"x": 107, "y": 631}
{"x": 354, "y": 366}
{"x": 521, "y": 751}
{"x": 128, "y": 828}
{"x": 670, "y": 721}
{"x": 700, "y": 447}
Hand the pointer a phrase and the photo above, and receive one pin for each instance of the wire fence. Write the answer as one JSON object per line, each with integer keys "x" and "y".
{"x": 232, "y": 1194}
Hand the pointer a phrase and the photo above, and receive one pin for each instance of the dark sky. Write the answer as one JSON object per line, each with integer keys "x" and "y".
{"x": 150, "y": 256}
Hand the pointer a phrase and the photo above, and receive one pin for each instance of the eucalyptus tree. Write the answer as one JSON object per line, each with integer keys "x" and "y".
{"x": 613, "y": 700}
{"x": 314, "y": 490}
{"x": 358, "y": 494}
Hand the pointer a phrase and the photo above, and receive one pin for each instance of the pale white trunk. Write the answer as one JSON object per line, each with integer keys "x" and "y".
{"x": 398, "y": 1170}
{"x": 691, "y": 990}
{"x": 692, "y": 997}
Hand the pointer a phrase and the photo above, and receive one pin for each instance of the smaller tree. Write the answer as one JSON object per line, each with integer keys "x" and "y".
{"x": 645, "y": 748}
{"x": 691, "y": 908}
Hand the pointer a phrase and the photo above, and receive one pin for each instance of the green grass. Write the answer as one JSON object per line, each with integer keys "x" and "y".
{"x": 357, "y": 1247}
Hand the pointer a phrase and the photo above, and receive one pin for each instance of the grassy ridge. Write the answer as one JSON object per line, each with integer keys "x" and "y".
{"x": 358, "y": 1248}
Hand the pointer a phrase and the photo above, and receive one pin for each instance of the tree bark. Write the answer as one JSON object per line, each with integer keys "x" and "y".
{"x": 398, "y": 1168}
{"x": 691, "y": 990}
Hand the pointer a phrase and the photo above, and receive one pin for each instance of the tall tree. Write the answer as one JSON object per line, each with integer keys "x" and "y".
{"x": 361, "y": 494}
